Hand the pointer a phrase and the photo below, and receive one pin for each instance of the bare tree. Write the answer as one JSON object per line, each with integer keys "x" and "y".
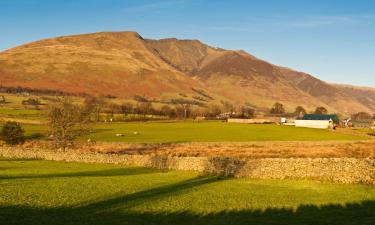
{"x": 127, "y": 108}
{"x": 214, "y": 110}
{"x": 227, "y": 107}
{"x": 246, "y": 112}
{"x": 112, "y": 109}
{"x": 321, "y": 111}
{"x": 300, "y": 111}
{"x": 144, "y": 108}
{"x": 166, "y": 110}
{"x": 67, "y": 122}
{"x": 278, "y": 108}
{"x": 94, "y": 105}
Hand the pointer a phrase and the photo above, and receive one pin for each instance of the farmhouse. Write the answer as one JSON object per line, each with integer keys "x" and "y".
{"x": 317, "y": 121}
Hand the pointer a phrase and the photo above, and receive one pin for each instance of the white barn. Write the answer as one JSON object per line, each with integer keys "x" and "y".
{"x": 319, "y": 124}
{"x": 317, "y": 121}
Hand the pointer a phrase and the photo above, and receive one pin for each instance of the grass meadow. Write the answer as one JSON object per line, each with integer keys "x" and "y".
{"x": 189, "y": 131}
{"x": 44, "y": 192}
{"x": 170, "y": 132}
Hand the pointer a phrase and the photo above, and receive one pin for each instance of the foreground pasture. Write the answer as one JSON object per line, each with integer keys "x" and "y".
{"x": 45, "y": 192}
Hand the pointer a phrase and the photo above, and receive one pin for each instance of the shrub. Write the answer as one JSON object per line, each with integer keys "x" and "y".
{"x": 12, "y": 133}
{"x": 31, "y": 101}
{"x": 139, "y": 98}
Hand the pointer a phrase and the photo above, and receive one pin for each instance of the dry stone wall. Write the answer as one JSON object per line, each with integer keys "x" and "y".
{"x": 340, "y": 170}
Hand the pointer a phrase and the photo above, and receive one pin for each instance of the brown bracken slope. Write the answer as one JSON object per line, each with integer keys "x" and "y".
{"x": 124, "y": 64}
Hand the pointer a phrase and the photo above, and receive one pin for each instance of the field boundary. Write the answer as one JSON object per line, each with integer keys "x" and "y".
{"x": 339, "y": 170}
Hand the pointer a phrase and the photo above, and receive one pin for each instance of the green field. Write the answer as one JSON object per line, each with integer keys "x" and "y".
{"x": 175, "y": 132}
{"x": 21, "y": 113}
{"x": 45, "y": 192}
{"x": 166, "y": 132}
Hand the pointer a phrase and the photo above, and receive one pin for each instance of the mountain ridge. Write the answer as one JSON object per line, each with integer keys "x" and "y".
{"x": 125, "y": 64}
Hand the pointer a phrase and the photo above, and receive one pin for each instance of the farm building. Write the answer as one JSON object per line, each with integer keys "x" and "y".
{"x": 249, "y": 121}
{"x": 317, "y": 121}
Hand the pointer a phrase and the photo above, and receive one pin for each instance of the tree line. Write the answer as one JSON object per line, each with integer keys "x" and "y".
{"x": 279, "y": 109}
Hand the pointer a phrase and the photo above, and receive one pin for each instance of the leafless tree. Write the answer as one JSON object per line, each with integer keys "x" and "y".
{"x": 278, "y": 108}
{"x": 300, "y": 111}
{"x": 321, "y": 111}
{"x": 144, "y": 108}
{"x": 127, "y": 108}
{"x": 94, "y": 105}
{"x": 67, "y": 122}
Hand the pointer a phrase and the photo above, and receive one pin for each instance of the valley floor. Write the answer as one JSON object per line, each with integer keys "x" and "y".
{"x": 46, "y": 192}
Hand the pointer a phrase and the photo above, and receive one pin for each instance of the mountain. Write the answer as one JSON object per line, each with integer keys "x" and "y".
{"x": 364, "y": 95}
{"x": 124, "y": 64}
{"x": 119, "y": 64}
{"x": 333, "y": 95}
{"x": 234, "y": 75}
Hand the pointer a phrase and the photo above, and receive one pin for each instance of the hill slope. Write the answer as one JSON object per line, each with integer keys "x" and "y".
{"x": 103, "y": 63}
{"x": 327, "y": 93}
{"x": 124, "y": 64}
{"x": 364, "y": 95}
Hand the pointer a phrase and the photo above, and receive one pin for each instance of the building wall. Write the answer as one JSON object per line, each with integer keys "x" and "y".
{"x": 319, "y": 124}
{"x": 249, "y": 121}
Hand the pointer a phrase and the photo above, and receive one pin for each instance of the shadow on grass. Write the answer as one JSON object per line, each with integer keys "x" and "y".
{"x": 36, "y": 136}
{"x": 121, "y": 210}
{"x": 141, "y": 197}
{"x": 17, "y": 160}
{"x": 349, "y": 214}
{"x": 96, "y": 173}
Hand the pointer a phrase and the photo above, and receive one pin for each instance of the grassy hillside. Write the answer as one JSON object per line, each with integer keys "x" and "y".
{"x": 112, "y": 194}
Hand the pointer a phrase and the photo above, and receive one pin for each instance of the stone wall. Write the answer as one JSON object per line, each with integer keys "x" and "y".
{"x": 340, "y": 170}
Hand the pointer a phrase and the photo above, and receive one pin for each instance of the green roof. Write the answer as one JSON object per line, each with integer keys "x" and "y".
{"x": 332, "y": 117}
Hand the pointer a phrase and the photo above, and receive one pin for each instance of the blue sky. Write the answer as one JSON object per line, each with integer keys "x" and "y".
{"x": 331, "y": 39}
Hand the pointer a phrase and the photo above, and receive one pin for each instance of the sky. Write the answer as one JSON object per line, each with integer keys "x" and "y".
{"x": 333, "y": 40}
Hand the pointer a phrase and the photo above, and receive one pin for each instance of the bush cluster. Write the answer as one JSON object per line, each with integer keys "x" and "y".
{"x": 12, "y": 133}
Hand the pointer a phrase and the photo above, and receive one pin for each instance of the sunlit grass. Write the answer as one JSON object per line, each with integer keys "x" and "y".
{"x": 159, "y": 132}
{"x": 44, "y": 192}
{"x": 174, "y": 132}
